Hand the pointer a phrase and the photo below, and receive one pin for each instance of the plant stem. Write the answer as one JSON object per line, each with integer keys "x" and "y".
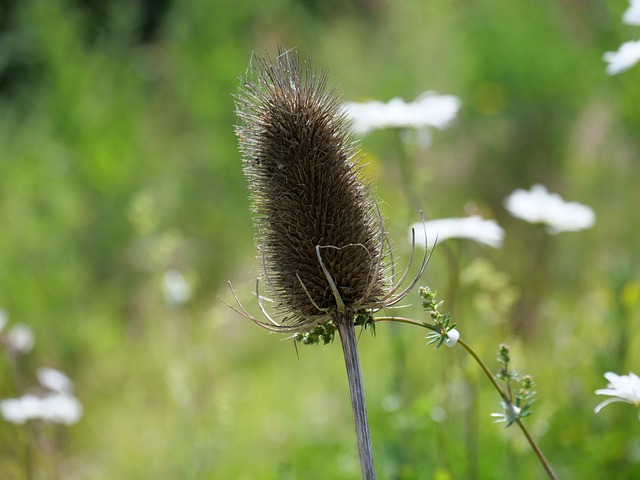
{"x": 28, "y": 453}
{"x": 485, "y": 369}
{"x": 536, "y": 449}
{"x": 492, "y": 379}
{"x": 525, "y": 431}
{"x": 354, "y": 375}
{"x": 406, "y": 173}
{"x": 410, "y": 321}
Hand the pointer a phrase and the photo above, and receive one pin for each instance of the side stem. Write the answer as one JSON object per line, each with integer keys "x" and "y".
{"x": 354, "y": 375}
{"x": 532, "y": 442}
{"x": 525, "y": 431}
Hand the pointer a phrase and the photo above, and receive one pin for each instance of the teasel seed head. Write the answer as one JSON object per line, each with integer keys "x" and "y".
{"x": 319, "y": 232}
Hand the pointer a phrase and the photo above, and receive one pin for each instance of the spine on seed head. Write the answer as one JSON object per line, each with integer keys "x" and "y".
{"x": 316, "y": 219}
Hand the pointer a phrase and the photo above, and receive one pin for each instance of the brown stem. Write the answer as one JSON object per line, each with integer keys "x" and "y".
{"x": 354, "y": 375}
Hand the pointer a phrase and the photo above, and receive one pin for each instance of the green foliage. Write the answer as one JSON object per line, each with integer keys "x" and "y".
{"x": 324, "y": 332}
{"x": 441, "y": 321}
{"x": 522, "y": 397}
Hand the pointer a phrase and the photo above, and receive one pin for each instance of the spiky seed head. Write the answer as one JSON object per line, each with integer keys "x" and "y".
{"x": 312, "y": 207}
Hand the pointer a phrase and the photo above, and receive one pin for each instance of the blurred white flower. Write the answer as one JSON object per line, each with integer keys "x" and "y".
{"x": 53, "y": 407}
{"x": 175, "y": 288}
{"x": 54, "y": 380}
{"x": 622, "y": 388}
{"x": 4, "y": 318}
{"x": 632, "y": 15}
{"x": 539, "y": 206}
{"x": 626, "y": 57}
{"x": 20, "y": 338}
{"x": 452, "y": 338}
{"x": 474, "y": 228}
{"x": 428, "y": 110}
{"x": 19, "y": 410}
{"x": 60, "y": 408}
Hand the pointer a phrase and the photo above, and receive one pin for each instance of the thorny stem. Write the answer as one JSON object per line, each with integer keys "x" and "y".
{"x": 492, "y": 379}
{"x": 354, "y": 375}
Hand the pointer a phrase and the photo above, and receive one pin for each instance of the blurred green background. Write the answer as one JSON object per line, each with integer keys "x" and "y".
{"x": 118, "y": 161}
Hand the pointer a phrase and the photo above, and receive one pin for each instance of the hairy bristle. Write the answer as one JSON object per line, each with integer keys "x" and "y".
{"x": 311, "y": 206}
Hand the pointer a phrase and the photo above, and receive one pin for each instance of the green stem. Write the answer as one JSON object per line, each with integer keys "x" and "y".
{"x": 525, "y": 431}
{"x": 537, "y": 449}
{"x": 407, "y": 320}
{"x": 493, "y": 381}
{"x": 28, "y": 453}
{"x": 485, "y": 369}
{"x": 406, "y": 173}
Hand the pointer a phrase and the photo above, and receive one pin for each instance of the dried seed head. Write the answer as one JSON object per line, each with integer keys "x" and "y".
{"x": 318, "y": 229}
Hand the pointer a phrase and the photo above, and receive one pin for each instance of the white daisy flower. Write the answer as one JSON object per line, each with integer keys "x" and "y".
{"x": 539, "y": 206}
{"x": 626, "y": 57}
{"x": 54, "y": 380}
{"x": 631, "y": 16}
{"x": 428, "y": 110}
{"x": 19, "y": 410}
{"x": 60, "y": 408}
{"x": 622, "y": 388}
{"x": 474, "y": 228}
{"x": 53, "y": 407}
